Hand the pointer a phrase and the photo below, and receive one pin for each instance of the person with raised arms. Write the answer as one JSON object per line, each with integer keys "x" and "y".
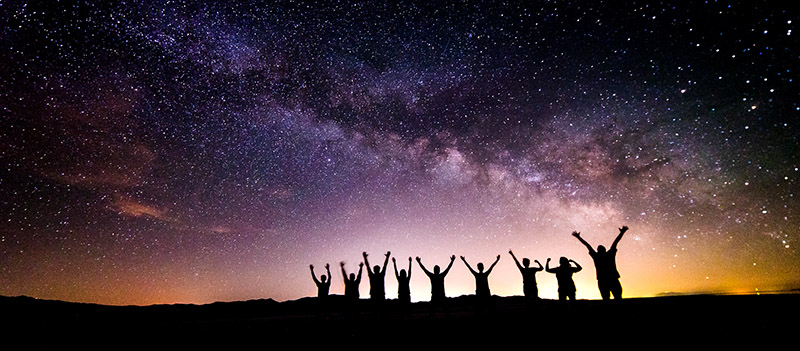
{"x": 324, "y": 283}
{"x": 605, "y": 264}
{"x": 403, "y": 282}
{"x": 566, "y": 286}
{"x": 351, "y": 285}
{"x": 376, "y": 278}
{"x": 437, "y": 279}
{"x": 481, "y": 278}
{"x": 529, "y": 287}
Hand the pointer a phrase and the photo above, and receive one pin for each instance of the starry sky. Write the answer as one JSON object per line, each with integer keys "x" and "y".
{"x": 191, "y": 152}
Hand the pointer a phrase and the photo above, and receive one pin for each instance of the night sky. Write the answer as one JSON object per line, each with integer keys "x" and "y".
{"x": 188, "y": 152}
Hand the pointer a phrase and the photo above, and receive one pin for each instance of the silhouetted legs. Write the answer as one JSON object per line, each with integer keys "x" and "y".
{"x": 610, "y": 287}
{"x": 531, "y": 291}
{"x": 566, "y": 295}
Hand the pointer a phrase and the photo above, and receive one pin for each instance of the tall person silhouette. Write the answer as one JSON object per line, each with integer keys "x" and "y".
{"x": 376, "y": 278}
{"x": 324, "y": 283}
{"x": 529, "y": 287}
{"x": 351, "y": 285}
{"x": 566, "y": 287}
{"x": 403, "y": 282}
{"x": 605, "y": 264}
{"x": 437, "y": 279}
{"x": 481, "y": 278}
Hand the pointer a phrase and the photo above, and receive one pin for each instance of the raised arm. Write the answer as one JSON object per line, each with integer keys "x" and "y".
{"x": 619, "y": 237}
{"x": 578, "y": 267}
{"x": 409, "y": 268}
{"x": 419, "y": 262}
{"x": 515, "y": 260}
{"x": 470, "y": 268}
{"x": 366, "y": 261}
{"x": 493, "y": 264}
{"x": 578, "y": 235}
{"x": 360, "y": 268}
{"x": 452, "y": 259}
{"x": 386, "y": 262}
{"x": 540, "y": 265}
{"x": 314, "y": 276}
{"x": 547, "y": 266}
{"x": 328, "y": 269}
{"x": 344, "y": 274}
{"x": 394, "y": 263}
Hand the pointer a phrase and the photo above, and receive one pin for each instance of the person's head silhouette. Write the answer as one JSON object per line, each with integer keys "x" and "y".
{"x": 526, "y": 262}
{"x": 323, "y": 278}
{"x": 601, "y": 249}
{"x": 352, "y": 276}
{"x": 377, "y": 269}
{"x": 436, "y": 269}
{"x": 480, "y": 267}
{"x": 564, "y": 261}
{"x": 402, "y": 273}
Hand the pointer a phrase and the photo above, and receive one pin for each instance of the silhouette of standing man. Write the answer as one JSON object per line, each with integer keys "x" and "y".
{"x": 566, "y": 286}
{"x": 529, "y": 286}
{"x": 376, "y": 278}
{"x": 351, "y": 285}
{"x": 605, "y": 263}
{"x": 437, "y": 280}
{"x": 481, "y": 278}
{"x": 324, "y": 283}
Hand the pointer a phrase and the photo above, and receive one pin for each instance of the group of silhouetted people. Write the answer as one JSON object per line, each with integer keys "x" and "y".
{"x": 604, "y": 262}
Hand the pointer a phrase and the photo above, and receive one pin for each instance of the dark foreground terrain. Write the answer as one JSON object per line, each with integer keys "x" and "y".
{"x": 505, "y": 321}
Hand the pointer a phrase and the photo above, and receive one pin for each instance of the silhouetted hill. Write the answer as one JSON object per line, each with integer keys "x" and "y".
{"x": 706, "y": 318}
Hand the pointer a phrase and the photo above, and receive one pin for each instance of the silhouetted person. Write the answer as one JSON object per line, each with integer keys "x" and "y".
{"x": 437, "y": 280}
{"x": 605, "y": 263}
{"x": 351, "y": 285}
{"x": 566, "y": 287}
{"x": 529, "y": 286}
{"x": 376, "y": 278}
{"x": 324, "y": 283}
{"x": 481, "y": 277}
{"x": 403, "y": 282}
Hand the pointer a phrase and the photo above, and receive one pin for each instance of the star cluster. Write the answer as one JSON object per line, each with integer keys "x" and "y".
{"x": 181, "y": 151}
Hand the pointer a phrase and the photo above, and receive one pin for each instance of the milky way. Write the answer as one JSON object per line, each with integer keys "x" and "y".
{"x": 196, "y": 152}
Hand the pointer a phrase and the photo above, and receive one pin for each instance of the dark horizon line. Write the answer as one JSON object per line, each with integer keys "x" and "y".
{"x": 787, "y": 291}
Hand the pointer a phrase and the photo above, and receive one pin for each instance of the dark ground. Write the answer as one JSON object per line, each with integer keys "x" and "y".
{"x": 678, "y": 320}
